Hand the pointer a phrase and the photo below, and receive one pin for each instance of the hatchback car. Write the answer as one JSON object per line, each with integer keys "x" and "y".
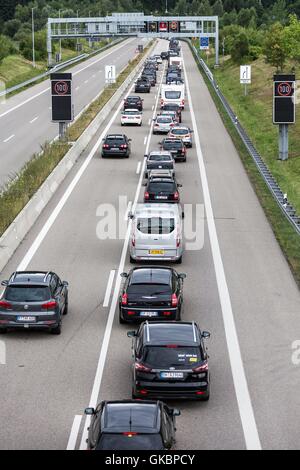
{"x": 153, "y": 292}
{"x": 133, "y": 102}
{"x": 183, "y": 133}
{"x": 170, "y": 361}
{"x": 131, "y": 117}
{"x": 164, "y": 55}
{"x": 166, "y": 107}
{"x": 162, "y": 189}
{"x": 176, "y": 147}
{"x": 156, "y": 233}
{"x": 116, "y": 145}
{"x": 163, "y": 124}
{"x": 132, "y": 425}
{"x": 157, "y": 160}
{"x": 150, "y": 76}
{"x": 142, "y": 85}
{"x": 33, "y": 300}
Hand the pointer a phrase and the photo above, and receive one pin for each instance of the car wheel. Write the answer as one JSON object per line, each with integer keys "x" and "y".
{"x": 3, "y": 331}
{"x": 178, "y": 315}
{"x": 179, "y": 261}
{"x": 66, "y": 309}
{"x": 57, "y": 330}
{"x": 121, "y": 321}
{"x": 132, "y": 260}
{"x": 140, "y": 124}
{"x": 133, "y": 395}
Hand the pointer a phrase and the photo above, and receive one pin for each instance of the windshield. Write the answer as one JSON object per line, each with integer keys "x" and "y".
{"x": 136, "y": 442}
{"x": 173, "y": 95}
{"x": 164, "y": 357}
{"x": 161, "y": 186}
{"x": 149, "y": 289}
{"x": 156, "y": 225}
{"x": 27, "y": 294}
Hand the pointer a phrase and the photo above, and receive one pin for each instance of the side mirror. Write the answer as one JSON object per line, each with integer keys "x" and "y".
{"x": 191, "y": 131}
{"x": 4, "y": 283}
{"x": 205, "y": 334}
{"x": 182, "y": 276}
{"x": 89, "y": 411}
{"x": 179, "y": 185}
{"x": 130, "y": 215}
{"x": 131, "y": 334}
{"x": 176, "y": 412}
{"x": 144, "y": 184}
{"x": 65, "y": 283}
{"x": 125, "y": 275}
{"x": 146, "y": 156}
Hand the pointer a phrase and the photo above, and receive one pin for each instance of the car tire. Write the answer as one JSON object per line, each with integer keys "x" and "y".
{"x": 3, "y": 331}
{"x": 66, "y": 309}
{"x": 179, "y": 261}
{"x": 132, "y": 260}
{"x": 121, "y": 321}
{"x": 133, "y": 395}
{"x": 56, "y": 331}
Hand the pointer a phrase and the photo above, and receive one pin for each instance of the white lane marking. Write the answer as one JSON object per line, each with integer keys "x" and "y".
{"x": 74, "y": 73}
{"x": 50, "y": 107}
{"x": 149, "y": 122}
{"x": 235, "y": 357}
{"x": 138, "y": 168}
{"x": 74, "y": 432}
{"x": 34, "y": 119}
{"x": 152, "y": 108}
{"x": 113, "y": 305}
{"x": 77, "y": 88}
{"x": 9, "y": 138}
{"x": 86, "y": 81}
{"x": 108, "y": 288}
{"x": 129, "y": 207}
{"x": 145, "y": 140}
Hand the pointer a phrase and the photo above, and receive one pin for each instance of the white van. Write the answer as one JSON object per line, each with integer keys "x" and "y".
{"x": 172, "y": 94}
{"x": 156, "y": 233}
{"x": 176, "y": 61}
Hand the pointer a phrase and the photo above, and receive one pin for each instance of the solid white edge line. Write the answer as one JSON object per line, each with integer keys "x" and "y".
{"x": 33, "y": 120}
{"x": 236, "y": 362}
{"x": 74, "y": 432}
{"x": 109, "y": 288}
{"x": 138, "y": 168}
{"x": 74, "y": 74}
{"x": 9, "y": 138}
{"x": 113, "y": 305}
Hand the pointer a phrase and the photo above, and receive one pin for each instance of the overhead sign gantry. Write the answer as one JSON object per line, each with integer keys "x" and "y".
{"x": 134, "y": 24}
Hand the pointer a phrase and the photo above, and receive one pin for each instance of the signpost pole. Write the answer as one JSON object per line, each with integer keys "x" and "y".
{"x": 62, "y": 130}
{"x": 283, "y": 141}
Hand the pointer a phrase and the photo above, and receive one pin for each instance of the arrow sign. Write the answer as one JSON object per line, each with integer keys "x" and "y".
{"x": 245, "y": 74}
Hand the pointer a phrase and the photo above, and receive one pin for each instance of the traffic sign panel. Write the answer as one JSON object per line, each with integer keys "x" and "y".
{"x": 245, "y": 74}
{"x": 283, "y": 99}
{"x": 204, "y": 43}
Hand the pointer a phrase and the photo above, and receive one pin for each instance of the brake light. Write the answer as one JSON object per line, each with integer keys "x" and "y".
{"x": 129, "y": 434}
{"x": 146, "y": 195}
{"x": 183, "y": 150}
{"x": 49, "y": 305}
{"x": 133, "y": 241}
{"x": 130, "y": 312}
{"x": 124, "y": 299}
{"x": 174, "y": 300}
{"x": 182, "y": 102}
{"x": 5, "y": 305}
{"x": 172, "y": 346}
{"x": 143, "y": 392}
{"x": 140, "y": 367}
{"x": 123, "y": 146}
{"x": 177, "y": 242}
{"x": 202, "y": 368}
{"x": 176, "y": 195}
{"x": 200, "y": 393}
{"x": 105, "y": 146}
{"x": 167, "y": 314}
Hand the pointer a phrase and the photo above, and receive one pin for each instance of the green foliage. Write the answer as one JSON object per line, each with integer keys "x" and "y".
{"x": 274, "y": 47}
{"x": 40, "y": 46}
{"x": 240, "y": 48}
{"x": 11, "y": 27}
{"x": 7, "y": 47}
{"x": 291, "y": 38}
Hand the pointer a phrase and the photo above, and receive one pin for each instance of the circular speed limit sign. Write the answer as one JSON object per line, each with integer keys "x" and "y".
{"x": 61, "y": 88}
{"x": 284, "y": 89}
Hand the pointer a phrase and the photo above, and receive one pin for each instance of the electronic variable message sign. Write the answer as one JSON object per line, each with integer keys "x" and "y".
{"x": 283, "y": 99}
{"x": 61, "y": 91}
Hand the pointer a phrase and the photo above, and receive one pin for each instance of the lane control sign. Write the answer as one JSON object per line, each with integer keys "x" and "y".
{"x": 110, "y": 74}
{"x": 61, "y": 92}
{"x": 283, "y": 99}
{"x": 245, "y": 74}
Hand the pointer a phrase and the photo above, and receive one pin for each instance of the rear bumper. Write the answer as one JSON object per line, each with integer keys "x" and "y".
{"x": 138, "y": 311}
{"x": 115, "y": 154}
{"x": 41, "y": 325}
{"x": 176, "y": 390}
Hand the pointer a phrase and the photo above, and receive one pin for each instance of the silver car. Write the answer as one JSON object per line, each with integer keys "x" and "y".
{"x": 159, "y": 160}
{"x": 163, "y": 124}
{"x": 156, "y": 233}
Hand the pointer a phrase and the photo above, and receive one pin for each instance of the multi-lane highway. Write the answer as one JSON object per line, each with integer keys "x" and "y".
{"x": 25, "y": 119}
{"x": 238, "y": 286}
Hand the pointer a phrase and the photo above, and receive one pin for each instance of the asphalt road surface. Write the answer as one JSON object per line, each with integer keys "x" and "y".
{"x": 238, "y": 286}
{"x": 25, "y": 119}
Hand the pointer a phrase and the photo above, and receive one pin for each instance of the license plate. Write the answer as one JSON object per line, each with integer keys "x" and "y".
{"x": 149, "y": 314}
{"x": 161, "y": 197}
{"x": 157, "y": 252}
{"x": 115, "y": 149}
{"x": 26, "y": 319}
{"x": 171, "y": 375}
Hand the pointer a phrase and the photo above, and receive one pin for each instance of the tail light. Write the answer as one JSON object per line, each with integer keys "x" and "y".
{"x": 5, "y": 305}
{"x": 183, "y": 151}
{"x": 176, "y": 195}
{"x": 129, "y": 434}
{"x": 177, "y": 241}
{"x": 146, "y": 195}
{"x": 130, "y": 312}
{"x": 124, "y": 299}
{"x": 123, "y": 146}
{"x": 172, "y": 346}
{"x": 105, "y": 146}
{"x": 167, "y": 314}
{"x": 124, "y": 117}
{"x": 49, "y": 305}
{"x": 140, "y": 367}
{"x": 200, "y": 393}
{"x": 143, "y": 392}
{"x": 182, "y": 102}
{"x": 202, "y": 368}
{"x": 174, "y": 300}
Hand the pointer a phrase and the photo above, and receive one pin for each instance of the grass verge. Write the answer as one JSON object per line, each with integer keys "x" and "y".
{"x": 286, "y": 236}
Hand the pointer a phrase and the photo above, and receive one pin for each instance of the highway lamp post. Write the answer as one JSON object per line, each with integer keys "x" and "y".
{"x": 33, "y": 49}
{"x": 167, "y": 7}
{"x": 60, "y": 38}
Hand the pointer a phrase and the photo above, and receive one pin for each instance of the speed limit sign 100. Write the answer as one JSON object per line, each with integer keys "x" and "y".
{"x": 284, "y": 89}
{"x": 61, "y": 87}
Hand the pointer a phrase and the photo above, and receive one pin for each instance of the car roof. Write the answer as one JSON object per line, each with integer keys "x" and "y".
{"x": 131, "y": 415}
{"x": 151, "y": 275}
{"x": 156, "y": 209}
{"x": 30, "y": 277}
{"x": 160, "y": 152}
{"x": 176, "y": 333}
{"x": 115, "y": 136}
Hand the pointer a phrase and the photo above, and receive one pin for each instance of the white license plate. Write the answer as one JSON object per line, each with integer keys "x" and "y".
{"x": 171, "y": 375}
{"x": 26, "y": 319}
{"x": 161, "y": 197}
{"x": 115, "y": 149}
{"x": 149, "y": 314}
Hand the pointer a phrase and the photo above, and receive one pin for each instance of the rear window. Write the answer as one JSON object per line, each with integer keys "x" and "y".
{"x": 131, "y": 113}
{"x": 149, "y": 289}
{"x": 180, "y": 131}
{"x": 146, "y": 276}
{"x": 27, "y": 294}
{"x": 119, "y": 416}
{"x": 161, "y": 186}
{"x": 164, "y": 120}
{"x": 157, "y": 356}
{"x": 173, "y": 145}
{"x": 160, "y": 158}
{"x": 115, "y": 140}
{"x": 171, "y": 107}
{"x": 172, "y": 95}
{"x": 156, "y": 225}
{"x": 136, "y": 442}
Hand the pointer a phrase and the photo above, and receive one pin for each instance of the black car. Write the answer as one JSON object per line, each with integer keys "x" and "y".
{"x": 142, "y": 85}
{"x": 35, "y": 300}
{"x": 132, "y": 425}
{"x": 173, "y": 77}
{"x": 133, "y": 102}
{"x": 162, "y": 189}
{"x": 170, "y": 361}
{"x": 116, "y": 145}
{"x": 176, "y": 147}
{"x": 150, "y": 75}
{"x": 172, "y": 107}
{"x": 152, "y": 292}
{"x": 164, "y": 55}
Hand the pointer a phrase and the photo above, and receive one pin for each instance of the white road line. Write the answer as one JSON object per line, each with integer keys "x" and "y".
{"x": 108, "y": 288}
{"x": 110, "y": 320}
{"x": 9, "y": 138}
{"x": 34, "y": 119}
{"x": 152, "y": 108}
{"x": 74, "y": 74}
{"x": 77, "y": 88}
{"x": 235, "y": 357}
{"x": 129, "y": 207}
{"x": 74, "y": 432}
{"x": 145, "y": 140}
{"x": 86, "y": 81}
{"x": 149, "y": 122}
{"x": 138, "y": 168}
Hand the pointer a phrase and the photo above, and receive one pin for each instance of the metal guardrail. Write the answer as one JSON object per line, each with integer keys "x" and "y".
{"x": 286, "y": 207}
{"x": 57, "y": 67}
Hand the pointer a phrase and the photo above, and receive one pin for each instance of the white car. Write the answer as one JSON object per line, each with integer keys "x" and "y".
{"x": 163, "y": 124}
{"x": 131, "y": 116}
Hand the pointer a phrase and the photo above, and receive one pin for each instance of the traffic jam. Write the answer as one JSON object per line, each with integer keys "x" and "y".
{"x": 169, "y": 355}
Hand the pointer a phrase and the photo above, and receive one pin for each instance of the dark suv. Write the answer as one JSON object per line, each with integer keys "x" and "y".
{"x": 176, "y": 147}
{"x": 162, "y": 189}
{"x": 170, "y": 361}
{"x": 133, "y": 102}
{"x": 116, "y": 145}
{"x": 152, "y": 292}
{"x": 142, "y": 85}
{"x": 132, "y": 425}
{"x": 33, "y": 299}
